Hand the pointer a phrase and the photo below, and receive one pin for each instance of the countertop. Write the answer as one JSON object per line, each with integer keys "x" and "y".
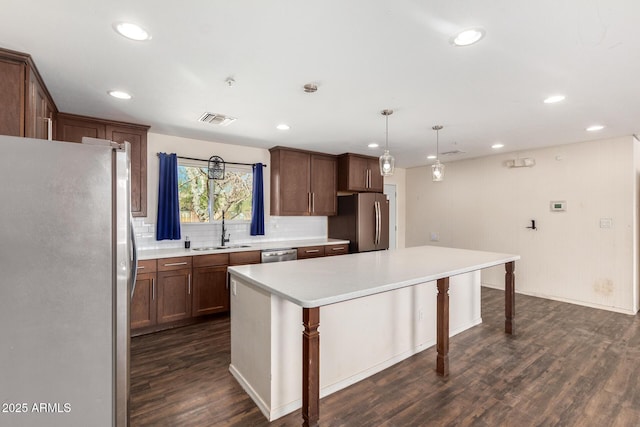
{"x": 178, "y": 252}
{"x": 322, "y": 281}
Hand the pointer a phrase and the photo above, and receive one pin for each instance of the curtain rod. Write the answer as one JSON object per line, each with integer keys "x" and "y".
{"x": 226, "y": 163}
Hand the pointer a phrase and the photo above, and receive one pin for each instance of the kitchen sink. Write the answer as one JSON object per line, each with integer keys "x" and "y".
{"x": 213, "y": 248}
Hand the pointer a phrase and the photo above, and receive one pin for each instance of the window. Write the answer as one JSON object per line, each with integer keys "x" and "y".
{"x": 203, "y": 200}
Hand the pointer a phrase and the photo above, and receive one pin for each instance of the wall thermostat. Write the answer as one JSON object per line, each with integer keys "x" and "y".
{"x": 558, "y": 206}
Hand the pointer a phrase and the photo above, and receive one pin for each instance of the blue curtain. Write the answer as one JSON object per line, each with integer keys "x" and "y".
{"x": 257, "y": 203}
{"x": 168, "y": 226}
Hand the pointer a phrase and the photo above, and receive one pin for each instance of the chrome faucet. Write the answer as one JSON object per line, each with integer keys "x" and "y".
{"x": 225, "y": 237}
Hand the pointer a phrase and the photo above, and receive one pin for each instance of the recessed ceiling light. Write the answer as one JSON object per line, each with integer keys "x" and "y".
{"x": 373, "y": 145}
{"x": 119, "y": 94}
{"x": 468, "y": 37}
{"x": 283, "y": 126}
{"x": 131, "y": 31}
{"x": 554, "y": 98}
{"x": 496, "y": 146}
{"x": 595, "y": 128}
{"x": 431, "y": 157}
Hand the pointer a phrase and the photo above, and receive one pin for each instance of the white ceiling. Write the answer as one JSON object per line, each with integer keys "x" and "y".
{"x": 365, "y": 56}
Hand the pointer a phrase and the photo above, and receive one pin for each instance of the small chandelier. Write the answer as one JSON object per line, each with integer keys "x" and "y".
{"x": 437, "y": 169}
{"x": 387, "y": 162}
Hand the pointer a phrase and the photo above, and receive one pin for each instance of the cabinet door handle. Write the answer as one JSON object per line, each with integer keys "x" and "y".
{"x": 153, "y": 289}
{"x": 368, "y": 178}
{"x": 313, "y": 202}
{"x": 341, "y": 248}
{"x": 312, "y": 251}
{"x": 309, "y": 202}
{"x": 141, "y": 267}
{"x": 175, "y": 263}
{"x": 189, "y": 284}
{"x": 49, "y": 128}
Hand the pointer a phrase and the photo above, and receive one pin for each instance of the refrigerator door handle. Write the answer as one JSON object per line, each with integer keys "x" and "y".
{"x": 377, "y": 209}
{"x": 379, "y": 223}
{"x": 134, "y": 257}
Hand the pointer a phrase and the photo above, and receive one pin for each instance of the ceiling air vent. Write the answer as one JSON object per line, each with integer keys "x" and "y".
{"x": 452, "y": 153}
{"x": 216, "y": 119}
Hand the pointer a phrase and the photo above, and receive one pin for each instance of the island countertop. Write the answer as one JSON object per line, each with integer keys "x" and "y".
{"x": 322, "y": 281}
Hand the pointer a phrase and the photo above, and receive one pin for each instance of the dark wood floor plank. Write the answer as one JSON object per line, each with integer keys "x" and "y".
{"x": 568, "y": 365}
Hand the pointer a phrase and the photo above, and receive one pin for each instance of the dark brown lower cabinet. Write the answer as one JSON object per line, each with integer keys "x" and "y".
{"x": 338, "y": 249}
{"x": 210, "y": 290}
{"x": 173, "y": 292}
{"x": 310, "y": 252}
{"x": 143, "y": 303}
{"x": 174, "y": 289}
{"x": 174, "y": 295}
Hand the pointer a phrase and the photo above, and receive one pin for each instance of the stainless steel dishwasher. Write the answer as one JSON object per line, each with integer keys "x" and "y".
{"x": 277, "y": 255}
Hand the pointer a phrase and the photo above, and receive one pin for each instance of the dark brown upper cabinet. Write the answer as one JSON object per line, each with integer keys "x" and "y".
{"x": 73, "y": 128}
{"x": 26, "y": 107}
{"x": 303, "y": 183}
{"x": 359, "y": 173}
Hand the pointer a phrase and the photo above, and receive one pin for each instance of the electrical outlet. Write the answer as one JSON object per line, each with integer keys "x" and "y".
{"x": 435, "y": 236}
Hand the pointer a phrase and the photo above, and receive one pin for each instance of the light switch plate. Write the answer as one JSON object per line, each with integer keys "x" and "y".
{"x": 606, "y": 223}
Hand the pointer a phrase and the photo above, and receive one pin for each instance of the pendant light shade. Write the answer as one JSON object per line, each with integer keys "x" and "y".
{"x": 387, "y": 162}
{"x": 437, "y": 169}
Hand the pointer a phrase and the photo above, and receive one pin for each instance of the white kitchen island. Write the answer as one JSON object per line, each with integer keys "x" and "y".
{"x": 377, "y": 309}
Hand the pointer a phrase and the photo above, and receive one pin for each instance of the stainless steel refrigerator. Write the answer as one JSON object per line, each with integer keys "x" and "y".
{"x": 66, "y": 273}
{"x": 363, "y": 219}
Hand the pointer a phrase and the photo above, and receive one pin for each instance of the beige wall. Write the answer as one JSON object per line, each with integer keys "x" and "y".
{"x": 486, "y": 206}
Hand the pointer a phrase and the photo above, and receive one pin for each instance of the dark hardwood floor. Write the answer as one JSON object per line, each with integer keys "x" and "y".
{"x": 567, "y": 366}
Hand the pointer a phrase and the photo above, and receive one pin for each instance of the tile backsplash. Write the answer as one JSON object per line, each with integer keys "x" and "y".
{"x": 276, "y": 228}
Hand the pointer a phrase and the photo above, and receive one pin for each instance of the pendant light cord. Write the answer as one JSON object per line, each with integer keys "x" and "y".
{"x": 386, "y": 133}
{"x": 437, "y": 129}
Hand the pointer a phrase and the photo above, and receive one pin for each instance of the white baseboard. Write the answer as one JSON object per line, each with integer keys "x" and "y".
{"x": 264, "y": 408}
{"x": 567, "y": 300}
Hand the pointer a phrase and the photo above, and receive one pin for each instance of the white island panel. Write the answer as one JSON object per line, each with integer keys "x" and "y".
{"x": 358, "y": 337}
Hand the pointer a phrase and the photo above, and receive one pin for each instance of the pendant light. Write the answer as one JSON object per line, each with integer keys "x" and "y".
{"x": 387, "y": 162}
{"x": 437, "y": 169}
